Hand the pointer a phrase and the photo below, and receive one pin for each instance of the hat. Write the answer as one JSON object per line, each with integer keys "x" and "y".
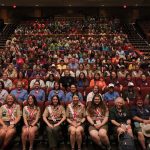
{"x": 111, "y": 85}
{"x": 53, "y": 65}
{"x": 145, "y": 129}
{"x": 130, "y": 84}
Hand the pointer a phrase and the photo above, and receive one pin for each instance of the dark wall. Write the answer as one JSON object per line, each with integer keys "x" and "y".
{"x": 128, "y": 14}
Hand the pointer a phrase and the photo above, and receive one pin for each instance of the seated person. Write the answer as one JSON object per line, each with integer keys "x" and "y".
{"x": 10, "y": 115}
{"x": 81, "y": 69}
{"x": 11, "y": 71}
{"x": 20, "y": 93}
{"x": 7, "y": 82}
{"x": 75, "y": 114}
{"x": 111, "y": 95}
{"x": 54, "y": 115}
{"x": 142, "y": 82}
{"x": 141, "y": 115}
{"x": 97, "y": 116}
{"x": 66, "y": 80}
{"x": 90, "y": 95}
{"x": 99, "y": 81}
{"x": 130, "y": 93}
{"x": 73, "y": 90}
{"x": 120, "y": 118}
{"x": 50, "y": 81}
{"x": 57, "y": 91}
{"x": 37, "y": 78}
{"x": 21, "y": 78}
{"x": 38, "y": 92}
{"x": 82, "y": 81}
{"x": 3, "y": 93}
{"x": 31, "y": 115}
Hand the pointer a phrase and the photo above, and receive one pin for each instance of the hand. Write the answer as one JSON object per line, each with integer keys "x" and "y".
{"x": 123, "y": 127}
{"x": 74, "y": 124}
{"x": 97, "y": 126}
{"x": 11, "y": 126}
{"x": 78, "y": 124}
{"x": 146, "y": 121}
{"x": 51, "y": 126}
{"x": 56, "y": 125}
{"x": 5, "y": 127}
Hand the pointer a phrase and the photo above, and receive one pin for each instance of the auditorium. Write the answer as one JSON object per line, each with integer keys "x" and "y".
{"x": 75, "y": 75}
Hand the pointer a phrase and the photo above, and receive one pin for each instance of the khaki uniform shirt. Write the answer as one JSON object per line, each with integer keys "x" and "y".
{"x": 10, "y": 114}
{"x": 54, "y": 113}
{"x": 76, "y": 113}
{"x": 31, "y": 113}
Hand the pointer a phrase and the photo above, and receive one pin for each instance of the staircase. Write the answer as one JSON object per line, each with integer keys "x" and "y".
{"x": 136, "y": 40}
{"x": 6, "y": 33}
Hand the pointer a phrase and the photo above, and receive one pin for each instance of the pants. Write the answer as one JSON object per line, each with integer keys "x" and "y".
{"x": 53, "y": 136}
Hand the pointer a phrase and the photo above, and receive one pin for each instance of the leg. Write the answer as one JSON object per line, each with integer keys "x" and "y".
{"x": 94, "y": 135}
{"x": 141, "y": 140}
{"x": 24, "y": 136}
{"x": 9, "y": 135}
{"x": 2, "y": 135}
{"x": 51, "y": 137}
{"x": 32, "y": 133}
{"x": 72, "y": 131}
{"x": 79, "y": 133}
{"x": 103, "y": 136}
{"x": 56, "y": 131}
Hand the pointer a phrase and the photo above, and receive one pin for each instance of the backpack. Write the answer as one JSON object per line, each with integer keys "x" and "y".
{"x": 126, "y": 142}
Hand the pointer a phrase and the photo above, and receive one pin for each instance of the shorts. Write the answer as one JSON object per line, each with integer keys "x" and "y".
{"x": 137, "y": 127}
{"x": 105, "y": 127}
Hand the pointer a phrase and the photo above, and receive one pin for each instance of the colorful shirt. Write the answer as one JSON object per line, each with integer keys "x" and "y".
{"x": 31, "y": 113}
{"x": 75, "y": 113}
{"x": 9, "y": 114}
{"x": 21, "y": 95}
{"x": 39, "y": 94}
{"x": 54, "y": 113}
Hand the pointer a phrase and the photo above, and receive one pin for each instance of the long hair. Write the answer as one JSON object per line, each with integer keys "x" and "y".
{"x": 34, "y": 100}
{"x": 57, "y": 98}
{"x": 101, "y": 105}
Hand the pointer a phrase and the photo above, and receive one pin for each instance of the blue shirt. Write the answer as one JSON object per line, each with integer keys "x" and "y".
{"x": 70, "y": 94}
{"x": 20, "y": 95}
{"x": 60, "y": 94}
{"x": 39, "y": 94}
{"x": 108, "y": 96}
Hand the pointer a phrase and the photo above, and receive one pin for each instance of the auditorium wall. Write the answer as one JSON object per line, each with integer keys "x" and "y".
{"x": 9, "y": 14}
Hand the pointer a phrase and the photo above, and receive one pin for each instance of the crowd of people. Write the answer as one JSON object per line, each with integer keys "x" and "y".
{"x": 74, "y": 71}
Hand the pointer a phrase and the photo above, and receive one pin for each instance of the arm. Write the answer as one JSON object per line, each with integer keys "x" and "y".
{"x": 25, "y": 118}
{"x": 45, "y": 115}
{"x": 37, "y": 117}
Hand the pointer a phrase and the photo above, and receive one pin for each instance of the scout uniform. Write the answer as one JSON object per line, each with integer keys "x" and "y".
{"x": 54, "y": 115}
{"x": 30, "y": 114}
{"x": 8, "y": 115}
{"x": 76, "y": 113}
{"x": 98, "y": 118}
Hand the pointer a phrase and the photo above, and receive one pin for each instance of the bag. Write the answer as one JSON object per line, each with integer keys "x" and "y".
{"x": 126, "y": 142}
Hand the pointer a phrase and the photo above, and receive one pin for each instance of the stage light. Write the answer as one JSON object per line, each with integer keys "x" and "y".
{"x": 124, "y": 6}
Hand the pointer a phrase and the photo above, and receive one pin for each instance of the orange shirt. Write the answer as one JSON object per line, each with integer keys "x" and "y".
{"x": 99, "y": 83}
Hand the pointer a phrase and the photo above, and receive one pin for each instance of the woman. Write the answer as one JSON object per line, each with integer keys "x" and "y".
{"x": 50, "y": 81}
{"x": 75, "y": 117}
{"x": 54, "y": 115}
{"x": 120, "y": 118}
{"x": 82, "y": 82}
{"x": 31, "y": 115}
{"x": 38, "y": 92}
{"x": 10, "y": 114}
{"x": 57, "y": 91}
{"x": 97, "y": 116}
{"x": 99, "y": 81}
{"x": 20, "y": 77}
{"x": 3, "y": 93}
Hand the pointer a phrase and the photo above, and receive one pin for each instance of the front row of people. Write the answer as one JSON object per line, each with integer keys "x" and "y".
{"x": 97, "y": 115}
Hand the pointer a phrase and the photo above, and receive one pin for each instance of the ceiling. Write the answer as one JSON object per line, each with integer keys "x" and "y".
{"x": 95, "y": 3}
